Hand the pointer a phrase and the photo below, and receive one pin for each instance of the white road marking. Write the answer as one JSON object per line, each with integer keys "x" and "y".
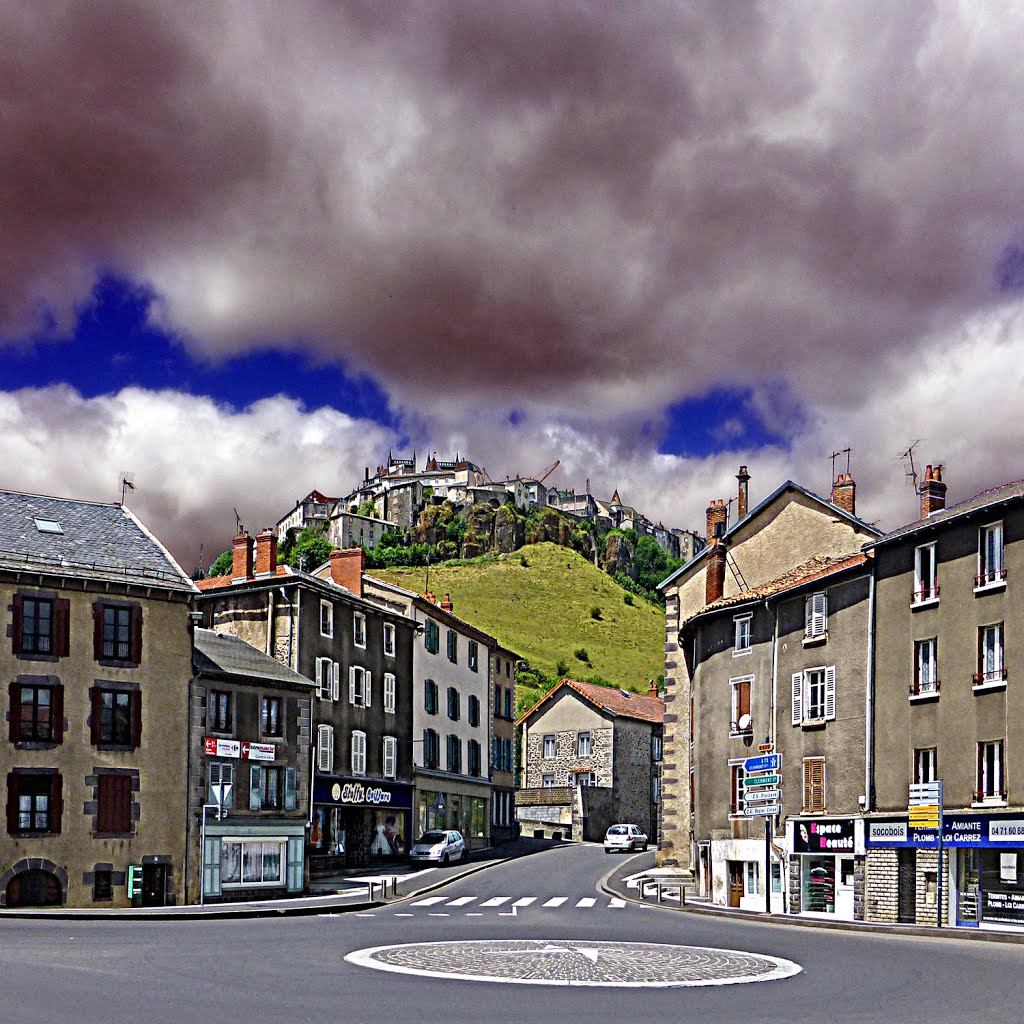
{"x": 525, "y": 901}
{"x": 461, "y": 901}
{"x": 405, "y": 915}
{"x": 439, "y": 915}
{"x": 429, "y": 901}
{"x": 587, "y": 901}
{"x": 473, "y": 914}
{"x": 616, "y": 904}
{"x": 555, "y": 901}
{"x": 362, "y": 915}
{"x": 496, "y": 901}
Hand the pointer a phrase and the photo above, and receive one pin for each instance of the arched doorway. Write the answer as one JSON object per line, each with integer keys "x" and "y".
{"x": 34, "y": 888}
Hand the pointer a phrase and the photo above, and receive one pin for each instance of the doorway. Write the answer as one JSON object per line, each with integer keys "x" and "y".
{"x": 34, "y": 889}
{"x": 906, "y": 887}
{"x": 154, "y": 885}
{"x": 735, "y": 882}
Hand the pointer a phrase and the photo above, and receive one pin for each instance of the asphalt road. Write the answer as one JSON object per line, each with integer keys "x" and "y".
{"x": 293, "y": 968}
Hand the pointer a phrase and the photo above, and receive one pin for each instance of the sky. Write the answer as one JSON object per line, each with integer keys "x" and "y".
{"x": 248, "y": 249}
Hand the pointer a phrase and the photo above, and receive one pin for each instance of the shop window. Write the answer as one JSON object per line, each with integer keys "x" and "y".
{"x": 37, "y": 713}
{"x": 251, "y": 862}
{"x": 776, "y": 877}
{"x": 818, "y": 889}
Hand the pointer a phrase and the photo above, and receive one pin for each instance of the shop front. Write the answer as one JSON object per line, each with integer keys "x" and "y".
{"x": 446, "y": 803}
{"x": 823, "y": 859}
{"x": 358, "y": 823}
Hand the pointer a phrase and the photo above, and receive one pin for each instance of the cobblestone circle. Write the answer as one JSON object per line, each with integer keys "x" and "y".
{"x": 551, "y": 962}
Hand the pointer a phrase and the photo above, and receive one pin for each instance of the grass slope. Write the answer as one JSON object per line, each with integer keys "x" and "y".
{"x": 542, "y": 611}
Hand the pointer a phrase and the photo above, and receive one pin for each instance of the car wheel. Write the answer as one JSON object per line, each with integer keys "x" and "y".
{"x": 444, "y": 860}
{"x": 644, "y": 847}
{"x": 607, "y": 849}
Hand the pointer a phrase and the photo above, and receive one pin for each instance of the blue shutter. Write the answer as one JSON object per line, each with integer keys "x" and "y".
{"x": 211, "y": 866}
{"x": 290, "y": 789}
{"x": 294, "y": 864}
{"x": 255, "y": 788}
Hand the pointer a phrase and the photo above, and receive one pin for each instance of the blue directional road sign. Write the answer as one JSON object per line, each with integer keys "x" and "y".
{"x": 764, "y": 763}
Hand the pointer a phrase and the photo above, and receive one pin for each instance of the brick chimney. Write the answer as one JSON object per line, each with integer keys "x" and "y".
{"x": 933, "y": 492}
{"x": 446, "y": 604}
{"x": 347, "y": 569}
{"x": 241, "y": 556}
{"x": 717, "y": 512}
{"x": 844, "y": 493}
{"x": 652, "y": 689}
{"x": 429, "y": 595}
{"x": 714, "y": 577}
{"x": 741, "y": 499}
{"x": 266, "y": 552}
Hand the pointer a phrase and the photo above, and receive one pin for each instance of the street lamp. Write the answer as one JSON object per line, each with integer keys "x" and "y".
{"x": 202, "y": 851}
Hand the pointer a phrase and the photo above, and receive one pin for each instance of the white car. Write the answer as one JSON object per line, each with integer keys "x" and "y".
{"x": 624, "y": 837}
{"x": 443, "y": 847}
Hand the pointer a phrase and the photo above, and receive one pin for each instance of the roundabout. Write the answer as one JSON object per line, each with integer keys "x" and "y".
{"x": 576, "y": 963}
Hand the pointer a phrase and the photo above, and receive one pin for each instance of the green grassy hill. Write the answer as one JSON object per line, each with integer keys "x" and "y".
{"x": 542, "y": 610}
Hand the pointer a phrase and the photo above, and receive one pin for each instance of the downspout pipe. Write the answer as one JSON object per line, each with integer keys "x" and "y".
{"x": 869, "y": 698}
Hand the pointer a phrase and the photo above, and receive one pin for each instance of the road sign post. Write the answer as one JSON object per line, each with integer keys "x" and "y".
{"x": 924, "y": 809}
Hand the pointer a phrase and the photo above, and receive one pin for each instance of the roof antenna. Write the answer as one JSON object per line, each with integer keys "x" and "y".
{"x": 238, "y": 522}
{"x": 835, "y": 455}
{"x": 911, "y": 472}
{"x": 127, "y": 483}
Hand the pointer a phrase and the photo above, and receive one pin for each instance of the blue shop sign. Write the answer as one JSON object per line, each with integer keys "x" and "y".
{"x": 361, "y": 793}
{"x": 959, "y": 831}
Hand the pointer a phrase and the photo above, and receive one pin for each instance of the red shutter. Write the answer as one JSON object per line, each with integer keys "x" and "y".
{"x": 97, "y": 631}
{"x": 744, "y": 699}
{"x": 114, "y": 803}
{"x": 57, "y": 712}
{"x": 16, "y": 623}
{"x": 62, "y": 627}
{"x": 137, "y": 636}
{"x": 136, "y": 699}
{"x": 94, "y": 718}
{"x": 56, "y": 802}
{"x": 12, "y": 803}
{"x": 15, "y": 718}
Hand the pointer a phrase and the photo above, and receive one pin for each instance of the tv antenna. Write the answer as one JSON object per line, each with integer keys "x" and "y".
{"x": 835, "y": 455}
{"x": 238, "y": 522}
{"x": 127, "y": 482}
{"x": 910, "y": 470}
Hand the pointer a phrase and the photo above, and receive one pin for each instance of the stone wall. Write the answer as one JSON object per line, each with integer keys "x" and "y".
{"x": 566, "y": 760}
{"x": 674, "y": 820}
{"x": 881, "y": 896}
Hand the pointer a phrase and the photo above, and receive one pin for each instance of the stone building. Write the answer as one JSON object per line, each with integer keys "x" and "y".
{"x": 591, "y": 757}
{"x": 503, "y": 742}
{"x": 97, "y": 658}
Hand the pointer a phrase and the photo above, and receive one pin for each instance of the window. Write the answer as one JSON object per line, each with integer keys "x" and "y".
{"x": 328, "y": 679}
{"x": 115, "y": 719}
{"x": 37, "y": 713}
{"x": 326, "y": 619}
{"x": 508, "y": 669}
{"x": 990, "y": 556}
{"x": 358, "y": 752}
{"x": 264, "y": 787}
{"x": 753, "y": 878}
{"x": 270, "y": 716}
{"x": 114, "y": 804}
{"x": 473, "y": 710}
{"x": 814, "y": 695}
{"x": 389, "y": 640}
{"x": 219, "y": 708}
{"x": 431, "y": 699}
{"x": 454, "y": 753}
{"x": 990, "y": 772}
{"x": 655, "y": 789}
{"x": 550, "y": 742}
{"x": 497, "y": 700}
{"x": 991, "y": 668}
{"x": 40, "y": 626}
{"x": 325, "y": 748}
{"x": 453, "y": 646}
{"x": 926, "y": 586}
{"x": 497, "y": 666}
{"x": 431, "y": 636}
{"x": 583, "y": 744}
{"x": 291, "y": 788}
{"x": 548, "y": 781}
{"x": 656, "y": 746}
{"x": 33, "y": 802}
{"x": 508, "y": 702}
{"x": 431, "y": 748}
{"x": 814, "y": 785}
{"x": 474, "y": 656}
{"x": 102, "y": 885}
{"x": 36, "y": 626}
{"x": 116, "y": 637}
{"x": 454, "y": 703}
{"x": 736, "y": 792}
{"x": 473, "y": 757}
{"x": 926, "y": 676}
{"x": 740, "y": 721}
{"x": 389, "y": 693}
{"x": 220, "y": 787}
{"x": 925, "y": 765}
{"x": 742, "y": 639}
{"x": 251, "y": 862}
{"x": 360, "y": 687}
{"x": 815, "y": 615}
{"x": 390, "y": 756}
{"x": 506, "y": 755}
{"x": 359, "y": 629}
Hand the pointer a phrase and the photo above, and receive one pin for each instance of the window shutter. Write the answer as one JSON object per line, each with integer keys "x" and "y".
{"x": 57, "y": 712}
{"x": 12, "y": 803}
{"x": 255, "y": 787}
{"x": 744, "y": 702}
{"x": 389, "y": 757}
{"x": 290, "y": 789}
{"x": 294, "y": 863}
{"x": 351, "y": 684}
{"x": 97, "y": 631}
{"x": 320, "y": 677}
{"x": 136, "y": 699}
{"x": 981, "y": 653}
{"x": 137, "y": 635}
{"x": 56, "y": 803}
{"x": 830, "y": 693}
{"x": 17, "y": 623}
{"x": 981, "y": 775}
{"x": 62, "y": 627}
{"x": 14, "y": 720}
{"x": 325, "y": 748}
{"x": 94, "y": 719}
{"x": 798, "y": 693}
{"x": 367, "y": 688}
{"x": 807, "y": 786}
{"x": 335, "y": 681}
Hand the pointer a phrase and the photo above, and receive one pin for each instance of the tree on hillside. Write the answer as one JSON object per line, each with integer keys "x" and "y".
{"x": 652, "y": 564}
{"x": 309, "y": 551}
{"x": 222, "y": 566}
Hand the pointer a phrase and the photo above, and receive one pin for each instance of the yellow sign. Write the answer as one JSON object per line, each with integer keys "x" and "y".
{"x": 926, "y": 816}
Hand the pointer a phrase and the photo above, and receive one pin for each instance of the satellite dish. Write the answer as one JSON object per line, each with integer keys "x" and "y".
{"x": 744, "y": 722}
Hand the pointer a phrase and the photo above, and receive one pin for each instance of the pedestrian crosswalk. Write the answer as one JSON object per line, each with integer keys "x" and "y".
{"x": 508, "y": 905}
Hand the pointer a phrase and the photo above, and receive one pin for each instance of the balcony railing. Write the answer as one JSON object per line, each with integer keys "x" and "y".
{"x": 925, "y": 593}
{"x": 981, "y": 797}
{"x": 989, "y": 576}
{"x": 988, "y": 677}
{"x": 925, "y": 688}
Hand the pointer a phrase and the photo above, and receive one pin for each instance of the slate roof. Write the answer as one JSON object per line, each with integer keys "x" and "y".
{"x": 224, "y": 654}
{"x": 617, "y": 702}
{"x": 97, "y": 541}
{"x": 986, "y": 499}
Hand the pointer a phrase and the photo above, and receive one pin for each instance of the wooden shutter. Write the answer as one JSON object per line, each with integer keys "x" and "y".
{"x": 352, "y": 684}
{"x": 137, "y": 636}
{"x": 17, "y": 622}
{"x": 814, "y": 784}
{"x": 14, "y": 720}
{"x": 136, "y": 700}
{"x": 255, "y": 788}
{"x": 798, "y": 695}
{"x": 94, "y": 718}
{"x": 62, "y": 627}
{"x": 114, "y": 803}
{"x": 744, "y": 699}
{"x": 325, "y": 748}
{"x": 830, "y": 693}
{"x": 56, "y": 802}
{"x": 389, "y": 757}
{"x": 291, "y": 801}
{"x": 12, "y": 803}
{"x": 57, "y": 712}
{"x": 97, "y": 631}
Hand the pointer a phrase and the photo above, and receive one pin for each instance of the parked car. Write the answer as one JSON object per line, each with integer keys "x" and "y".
{"x": 443, "y": 847}
{"x": 624, "y": 837}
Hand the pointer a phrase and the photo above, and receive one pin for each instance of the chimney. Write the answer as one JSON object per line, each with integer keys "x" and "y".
{"x": 241, "y": 556}
{"x": 652, "y": 690}
{"x": 429, "y": 595}
{"x": 933, "y": 492}
{"x": 717, "y": 516}
{"x": 347, "y": 569}
{"x": 714, "y": 578}
{"x": 266, "y": 552}
{"x": 844, "y": 493}
{"x": 446, "y": 604}
{"x": 741, "y": 502}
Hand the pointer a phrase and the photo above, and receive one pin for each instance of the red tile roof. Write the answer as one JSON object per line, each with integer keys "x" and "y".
{"x": 217, "y": 582}
{"x": 619, "y": 702}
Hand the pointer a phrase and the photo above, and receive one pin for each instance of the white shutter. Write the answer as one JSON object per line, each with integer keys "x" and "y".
{"x": 320, "y": 676}
{"x": 358, "y": 753}
{"x": 830, "y": 693}
{"x": 336, "y": 682}
{"x": 325, "y": 748}
{"x": 367, "y": 691}
{"x": 798, "y": 695}
{"x": 389, "y": 757}
{"x": 389, "y": 692}
{"x": 352, "y": 684}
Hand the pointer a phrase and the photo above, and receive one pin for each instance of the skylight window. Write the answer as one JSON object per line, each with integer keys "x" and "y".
{"x": 48, "y": 526}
